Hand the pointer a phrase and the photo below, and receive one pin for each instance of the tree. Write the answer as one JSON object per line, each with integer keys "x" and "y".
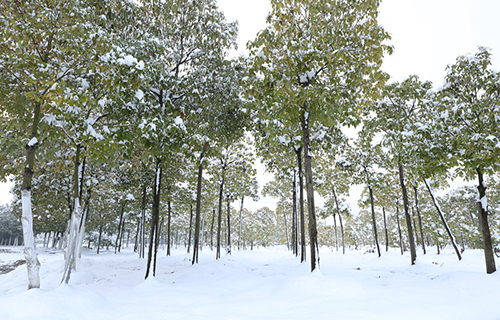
{"x": 49, "y": 43}
{"x": 469, "y": 104}
{"x": 318, "y": 63}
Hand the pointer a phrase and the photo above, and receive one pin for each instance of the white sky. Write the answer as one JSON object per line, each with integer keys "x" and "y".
{"x": 427, "y": 36}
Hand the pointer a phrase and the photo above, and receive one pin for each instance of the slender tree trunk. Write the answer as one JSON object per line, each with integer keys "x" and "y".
{"x": 413, "y": 252}
{"x": 155, "y": 217}
{"x": 219, "y": 218}
{"x": 342, "y": 233}
{"x": 443, "y": 220}
{"x": 83, "y": 224}
{"x": 313, "y": 234}
{"x": 374, "y": 222}
{"x": 334, "y": 220}
{"x": 385, "y": 229}
{"x": 239, "y": 233}
{"x": 294, "y": 215}
{"x": 198, "y": 213}
{"x": 482, "y": 208}
{"x": 286, "y": 223}
{"x": 212, "y": 230}
{"x": 143, "y": 223}
{"x": 75, "y": 220}
{"x": 99, "y": 241}
{"x": 137, "y": 235}
{"x": 122, "y": 233}
{"x": 417, "y": 205}
{"x": 228, "y": 225}
{"x": 168, "y": 226}
{"x": 301, "y": 204}
{"x": 30, "y": 254}
{"x": 399, "y": 230}
{"x": 414, "y": 225}
{"x": 190, "y": 228}
{"x": 119, "y": 227}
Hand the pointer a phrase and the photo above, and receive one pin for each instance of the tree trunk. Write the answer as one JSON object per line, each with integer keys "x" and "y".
{"x": 219, "y": 218}
{"x": 119, "y": 227}
{"x": 122, "y": 233}
{"x": 239, "y": 233}
{"x": 286, "y": 224}
{"x": 385, "y": 229}
{"x": 374, "y": 222}
{"x": 413, "y": 252}
{"x": 294, "y": 215}
{"x": 228, "y": 225}
{"x": 417, "y": 205}
{"x": 198, "y": 213}
{"x": 212, "y": 230}
{"x": 169, "y": 221}
{"x": 143, "y": 221}
{"x": 414, "y": 225}
{"x": 30, "y": 254}
{"x": 334, "y": 220}
{"x": 301, "y": 204}
{"x": 155, "y": 217}
{"x": 190, "y": 228}
{"x": 401, "y": 246}
{"x": 75, "y": 220}
{"x": 83, "y": 224}
{"x": 482, "y": 208}
{"x": 313, "y": 234}
{"x": 99, "y": 241}
{"x": 342, "y": 233}
{"x": 443, "y": 220}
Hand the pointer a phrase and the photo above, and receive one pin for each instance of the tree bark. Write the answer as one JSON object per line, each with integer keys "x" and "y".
{"x": 417, "y": 205}
{"x": 241, "y": 223}
{"x": 119, "y": 227}
{"x": 401, "y": 246}
{"x": 99, "y": 241}
{"x": 212, "y": 230}
{"x": 75, "y": 220}
{"x": 228, "y": 225}
{"x": 190, "y": 228}
{"x": 313, "y": 234}
{"x": 443, "y": 220}
{"x": 286, "y": 223}
{"x": 374, "y": 222}
{"x": 483, "y": 217}
{"x": 168, "y": 226}
{"x": 198, "y": 213}
{"x": 335, "y": 220}
{"x": 30, "y": 254}
{"x": 342, "y": 233}
{"x": 219, "y": 218}
{"x": 294, "y": 216}
{"x": 155, "y": 217}
{"x": 413, "y": 252}
{"x": 386, "y": 234}
{"x": 298, "y": 151}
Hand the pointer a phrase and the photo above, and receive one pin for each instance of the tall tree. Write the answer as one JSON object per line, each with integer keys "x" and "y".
{"x": 318, "y": 63}
{"x": 468, "y": 111}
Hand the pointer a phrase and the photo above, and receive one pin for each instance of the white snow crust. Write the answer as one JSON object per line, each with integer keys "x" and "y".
{"x": 266, "y": 283}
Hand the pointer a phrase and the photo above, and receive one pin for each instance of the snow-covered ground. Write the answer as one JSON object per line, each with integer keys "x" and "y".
{"x": 259, "y": 284}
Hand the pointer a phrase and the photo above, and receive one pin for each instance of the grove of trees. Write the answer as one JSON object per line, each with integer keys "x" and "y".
{"x": 128, "y": 124}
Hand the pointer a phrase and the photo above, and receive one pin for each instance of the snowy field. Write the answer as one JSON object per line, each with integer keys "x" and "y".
{"x": 259, "y": 284}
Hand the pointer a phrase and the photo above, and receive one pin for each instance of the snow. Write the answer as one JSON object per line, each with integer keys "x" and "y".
{"x": 260, "y": 284}
{"x": 127, "y": 60}
{"x": 32, "y": 142}
{"x": 484, "y": 203}
{"x": 139, "y": 94}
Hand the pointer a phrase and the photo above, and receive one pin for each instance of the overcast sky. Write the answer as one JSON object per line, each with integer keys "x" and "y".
{"x": 427, "y": 36}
